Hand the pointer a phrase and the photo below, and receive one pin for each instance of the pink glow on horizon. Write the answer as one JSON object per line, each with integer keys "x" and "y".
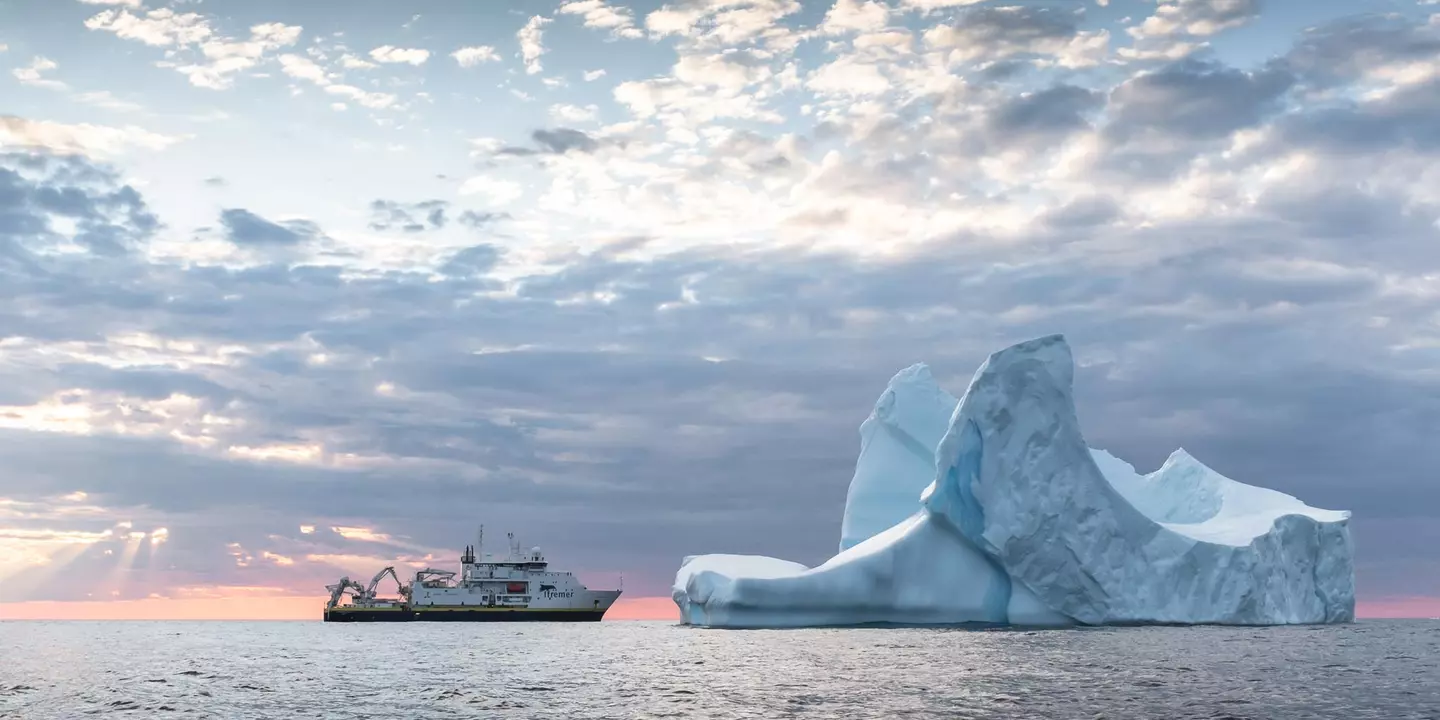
{"x": 295, "y": 607}
{"x": 644, "y": 608}
{"x": 301, "y": 607}
{"x": 1398, "y": 608}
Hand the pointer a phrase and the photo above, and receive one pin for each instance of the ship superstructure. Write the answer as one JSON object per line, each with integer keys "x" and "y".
{"x": 518, "y": 587}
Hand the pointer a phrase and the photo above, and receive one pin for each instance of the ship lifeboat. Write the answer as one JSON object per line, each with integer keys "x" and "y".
{"x": 515, "y": 587}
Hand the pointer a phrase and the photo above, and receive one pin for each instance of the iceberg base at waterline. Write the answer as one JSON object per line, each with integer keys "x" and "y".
{"x": 992, "y": 510}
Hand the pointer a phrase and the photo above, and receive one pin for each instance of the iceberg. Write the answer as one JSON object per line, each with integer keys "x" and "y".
{"x": 992, "y": 510}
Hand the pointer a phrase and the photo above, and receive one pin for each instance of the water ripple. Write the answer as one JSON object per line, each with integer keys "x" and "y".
{"x": 1373, "y": 669}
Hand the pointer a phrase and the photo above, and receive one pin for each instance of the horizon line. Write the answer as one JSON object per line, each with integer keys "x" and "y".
{"x": 305, "y": 608}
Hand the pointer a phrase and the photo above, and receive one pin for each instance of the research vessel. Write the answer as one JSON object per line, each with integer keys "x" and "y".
{"x": 520, "y": 587}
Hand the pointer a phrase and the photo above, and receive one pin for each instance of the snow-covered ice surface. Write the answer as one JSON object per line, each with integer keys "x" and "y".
{"x": 992, "y": 509}
{"x": 897, "y": 454}
{"x": 714, "y": 569}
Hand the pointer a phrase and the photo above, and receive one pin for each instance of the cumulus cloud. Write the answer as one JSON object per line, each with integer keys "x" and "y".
{"x": 161, "y": 27}
{"x": 209, "y": 60}
{"x": 303, "y": 68}
{"x": 83, "y": 138}
{"x": 34, "y": 74}
{"x": 725, "y": 22}
{"x": 1178, "y": 27}
{"x": 243, "y": 227}
{"x": 855, "y": 16}
{"x": 472, "y": 56}
{"x": 63, "y": 202}
{"x": 500, "y": 192}
{"x": 408, "y": 217}
{"x": 567, "y": 113}
{"x": 598, "y": 14}
{"x": 1196, "y": 17}
{"x": 391, "y": 54}
{"x": 994, "y": 34}
{"x": 222, "y": 58}
{"x": 530, "y": 38}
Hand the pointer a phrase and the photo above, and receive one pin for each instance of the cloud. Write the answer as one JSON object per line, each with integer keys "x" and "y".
{"x": 500, "y": 192}
{"x": 472, "y": 56}
{"x": 158, "y": 28}
{"x": 1196, "y": 17}
{"x": 33, "y": 74}
{"x": 562, "y": 140}
{"x": 530, "y": 37}
{"x": 107, "y": 100}
{"x": 994, "y": 34}
{"x": 1366, "y": 48}
{"x": 599, "y": 14}
{"x": 855, "y": 16}
{"x": 932, "y": 5}
{"x": 64, "y": 203}
{"x": 567, "y": 113}
{"x": 84, "y": 138}
{"x": 210, "y": 60}
{"x": 243, "y": 227}
{"x": 476, "y": 260}
{"x": 621, "y": 334}
{"x": 1194, "y": 99}
{"x": 414, "y": 217}
{"x": 352, "y": 62}
{"x": 557, "y": 141}
{"x": 477, "y": 220}
{"x": 391, "y": 54}
{"x": 372, "y": 100}
{"x": 303, "y": 68}
{"x": 710, "y": 23}
{"x": 224, "y": 58}
{"x": 1178, "y": 27}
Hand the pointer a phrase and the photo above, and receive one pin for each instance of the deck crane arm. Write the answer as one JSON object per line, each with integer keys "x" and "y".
{"x": 433, "y": 574}
{"x": 375, "y": 582}
{"x": 338, "y": 589}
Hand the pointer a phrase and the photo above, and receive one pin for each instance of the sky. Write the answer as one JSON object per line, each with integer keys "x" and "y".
{"x": 290, "y": 291}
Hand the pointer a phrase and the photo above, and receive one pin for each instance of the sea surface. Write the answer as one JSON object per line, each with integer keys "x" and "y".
{"x": 1372, "y": 669}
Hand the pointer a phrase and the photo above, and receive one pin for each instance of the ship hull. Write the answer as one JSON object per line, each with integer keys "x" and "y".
{"x": 462, "y": 615}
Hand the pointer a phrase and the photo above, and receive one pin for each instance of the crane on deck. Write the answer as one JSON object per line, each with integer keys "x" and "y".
{"x": 363, "y": 594}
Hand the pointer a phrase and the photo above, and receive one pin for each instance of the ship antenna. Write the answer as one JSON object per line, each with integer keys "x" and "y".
{"x": 480, "y": 541}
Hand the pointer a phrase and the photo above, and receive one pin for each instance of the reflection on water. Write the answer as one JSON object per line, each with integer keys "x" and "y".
{"x": 1374, "y": 669}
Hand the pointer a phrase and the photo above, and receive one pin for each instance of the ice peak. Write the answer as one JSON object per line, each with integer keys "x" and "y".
{"x": 1051, "y": 352}
{"x": 917, "y": 374}
{"x": 1181, "y": 456}
{"x": 1182, "y": 463}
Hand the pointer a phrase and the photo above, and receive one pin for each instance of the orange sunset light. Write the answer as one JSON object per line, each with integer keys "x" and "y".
{"x": 296, "y": 607}
{"x": 300, "y": 607}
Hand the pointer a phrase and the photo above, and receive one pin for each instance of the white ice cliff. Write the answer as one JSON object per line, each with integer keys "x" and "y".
{"x": 992, "y": 509}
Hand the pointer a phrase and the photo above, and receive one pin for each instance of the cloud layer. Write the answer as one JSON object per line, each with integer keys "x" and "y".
{"x": 649, "y": 324}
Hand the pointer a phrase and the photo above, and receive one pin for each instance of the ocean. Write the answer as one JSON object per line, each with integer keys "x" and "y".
{"x": 1373, "y": 669}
